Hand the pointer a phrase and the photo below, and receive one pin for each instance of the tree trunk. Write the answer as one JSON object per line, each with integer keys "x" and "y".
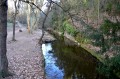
{"x": 43, "y": 24}
{"x": 28, "y": 19}
{"x": 13, "y": 38}
{"x": 3, "y": 36}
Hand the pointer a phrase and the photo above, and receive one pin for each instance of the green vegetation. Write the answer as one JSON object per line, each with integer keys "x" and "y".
{"x": 110, "y": 67}
{"x": 106, "y": 37}
{"x": 70, "y": 29}
{"x": 110, "y": 30}
{"x": 82, "y": 39}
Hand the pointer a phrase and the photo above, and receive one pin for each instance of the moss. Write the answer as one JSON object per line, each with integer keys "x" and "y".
{"x": 83, "y": 42}
{"x": 92, "y": 52}
{"x": 81, "y": 39}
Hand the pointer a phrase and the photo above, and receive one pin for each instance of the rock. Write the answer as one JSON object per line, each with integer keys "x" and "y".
{"x": 48, "y": 38}
{"x": 20, "y": 30}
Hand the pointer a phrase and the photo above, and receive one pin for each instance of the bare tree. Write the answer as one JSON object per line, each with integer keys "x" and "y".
{"x": 14, "y": 21}
{"x": 46, "y": 14}
{"x": 44, "y": 20}
{"x": 28, "y": 18}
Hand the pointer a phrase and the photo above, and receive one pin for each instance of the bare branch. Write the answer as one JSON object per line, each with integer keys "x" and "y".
{"x": 34, "y": 5}
{"x": 67, "y": 11}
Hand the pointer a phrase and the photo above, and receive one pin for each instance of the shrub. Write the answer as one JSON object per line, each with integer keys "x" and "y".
{"x": 110, "y": 66}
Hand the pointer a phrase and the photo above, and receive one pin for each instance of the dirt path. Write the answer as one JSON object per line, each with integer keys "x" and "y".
{"x": 25, "y": 56}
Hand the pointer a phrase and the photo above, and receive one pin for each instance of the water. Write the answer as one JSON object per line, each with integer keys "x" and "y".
{"x": 65, "y": 60}
{"x": 52, "y": 71}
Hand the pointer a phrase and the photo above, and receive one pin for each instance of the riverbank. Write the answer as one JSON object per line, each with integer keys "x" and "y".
{"x": 92, "y": 50}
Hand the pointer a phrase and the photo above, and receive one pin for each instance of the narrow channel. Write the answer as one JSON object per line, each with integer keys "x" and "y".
{"x": 65, "y": 60}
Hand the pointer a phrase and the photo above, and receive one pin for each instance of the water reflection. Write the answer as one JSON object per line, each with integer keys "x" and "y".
{"x": 65, "y": 60}
{"x": 52, "y": 71}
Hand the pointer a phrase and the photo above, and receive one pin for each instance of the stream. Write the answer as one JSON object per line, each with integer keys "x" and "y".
{"x": 65, "y": 60}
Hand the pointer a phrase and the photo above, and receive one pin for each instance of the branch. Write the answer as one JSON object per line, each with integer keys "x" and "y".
{"x": 67, "y": 11}
{"x": 34, "y": 5}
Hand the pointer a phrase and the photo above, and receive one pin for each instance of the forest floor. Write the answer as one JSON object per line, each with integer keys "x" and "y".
{"x": 25, "y": 56}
